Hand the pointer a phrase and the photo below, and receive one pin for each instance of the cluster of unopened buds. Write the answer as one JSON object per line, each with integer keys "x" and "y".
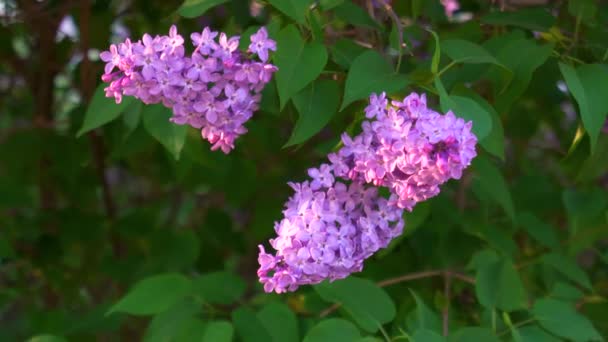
{"x": 215, "y": 89}
{"x": 337, "y": 220}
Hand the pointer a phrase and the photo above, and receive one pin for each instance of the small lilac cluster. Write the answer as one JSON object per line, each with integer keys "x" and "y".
{"x": 329, "y": 229}
{"x": 407, "y": 148}
{"x": 450, "y": 6}
{"x": 216, "y": 89}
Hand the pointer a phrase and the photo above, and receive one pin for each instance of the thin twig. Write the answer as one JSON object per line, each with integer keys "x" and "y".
{"x": 87, "y": 87}
{"x": 447, "y": 294}
{"x": 389, "y": 10}
{"x": 405, "y": 278}
{"x": 410, "y": 276}
{"x": 329, "y": 310}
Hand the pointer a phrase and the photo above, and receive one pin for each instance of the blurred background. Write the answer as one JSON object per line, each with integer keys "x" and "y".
{"x": 83, "y": 219}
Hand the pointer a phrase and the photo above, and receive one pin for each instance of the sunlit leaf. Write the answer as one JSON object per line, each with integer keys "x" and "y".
{"x": 153, "y": 295}
{"x": 102, "y": 110}
{"x": 369, "y": 305}
{"x": 370, "y": 73}
{"x": 299, "y": 63}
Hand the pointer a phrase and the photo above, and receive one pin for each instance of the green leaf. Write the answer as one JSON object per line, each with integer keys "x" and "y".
{"x": 168, "y": 324}
{"x": 499, "y": 238}
{"x": 368, "y": 74}
{"x": 491, "y": 181}
{"x": 568, "y": 268}
{"x": 132, "y": 117}
{"x": 102, "y": 110}
{"x": 464, "y": 51}
{"x": 369, "y": 339}
{"x": 586, "y": 209}
{"x": 333, "y": 330}
{"x": 470, "y": 334}
{"x": 539, "y": 230}
{"x": 596, "y": 164}
{"x": 316, "y": 104}
{"x": 494, "y": 142}
{"x": 280, "y": 322}
{"x": 482, "y": 258}
{"x": 509, "y": 55}
{"x": 423, "y": 335}
{"x": 498, "y": 285}
{"x": 561, "y": 319}
{"x": 192, "y": 329}
{"x": 196, "y": 8}
{"x": 219, "y": 287}
{"x": 535, "y": 19}
{"x": 299, "y": 63}
{"x": 47, "y": 338}
{"x": 345, "y": 51}
{"x": 436, "y": 54}
{"x": 355, "y": 15}
{"x": 218, "y": 331}
{"x": 535, "y": 334}
{"x": 584, "y": 10}
{"x": 587, "y": 84}
{"x": 6, "y": 250}
{"x": 153, "y": 295}
{"x": 566, "y": 292}
{"x": 469, "y": 110}
{"x": 423, "y": 317}
{"x": 326, "y": 5}
{"x": 248, "y": 326}
{"x": 295, "y": 9}
{"x": 157, "y": 124}
{"x": 368, "y": 304}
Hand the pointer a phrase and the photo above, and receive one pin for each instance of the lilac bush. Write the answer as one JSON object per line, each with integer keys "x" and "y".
{"x": 215, "y": 89}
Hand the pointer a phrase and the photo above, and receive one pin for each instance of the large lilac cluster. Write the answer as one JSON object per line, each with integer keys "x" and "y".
{"x": 215, "y": 89}
{"x": 329, "y": 229}
{"x": 407, "y": 148}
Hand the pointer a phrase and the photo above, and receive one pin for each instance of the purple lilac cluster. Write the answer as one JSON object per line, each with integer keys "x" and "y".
{"x": 329, "y": 228}
{"x": 407, "y": 148}
{"x": 216, "y": 89}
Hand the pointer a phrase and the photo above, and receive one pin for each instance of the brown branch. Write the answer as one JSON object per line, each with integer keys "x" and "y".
{"x": 87, "y": 80}
{"x": 39, "y": 73}
{"x": 446, "y": 309}
{"x": 461, "y": 194}
{"x": 408, "y": 277}
{"x": 389, "y": 10}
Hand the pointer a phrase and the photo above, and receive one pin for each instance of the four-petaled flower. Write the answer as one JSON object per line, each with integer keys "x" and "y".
{"x": 260, "y": 44}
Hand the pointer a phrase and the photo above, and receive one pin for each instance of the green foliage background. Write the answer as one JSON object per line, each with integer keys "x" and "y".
{"x": 116, "y": 225}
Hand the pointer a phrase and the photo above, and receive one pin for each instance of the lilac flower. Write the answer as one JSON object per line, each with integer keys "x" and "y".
{"x": 204, "y": 41}
{"x": 260, "y": 44}
{"x": 216, "y": 89}
{"x": 377, "y": 106}
{"x": 450, "y": 6}
{"x": 112, "y": 58}
{"x": 227, "y": 47}
{"x": 328, "y": 230}
{"x": 322, "y": 177}
{"x": 407, "y": 148}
